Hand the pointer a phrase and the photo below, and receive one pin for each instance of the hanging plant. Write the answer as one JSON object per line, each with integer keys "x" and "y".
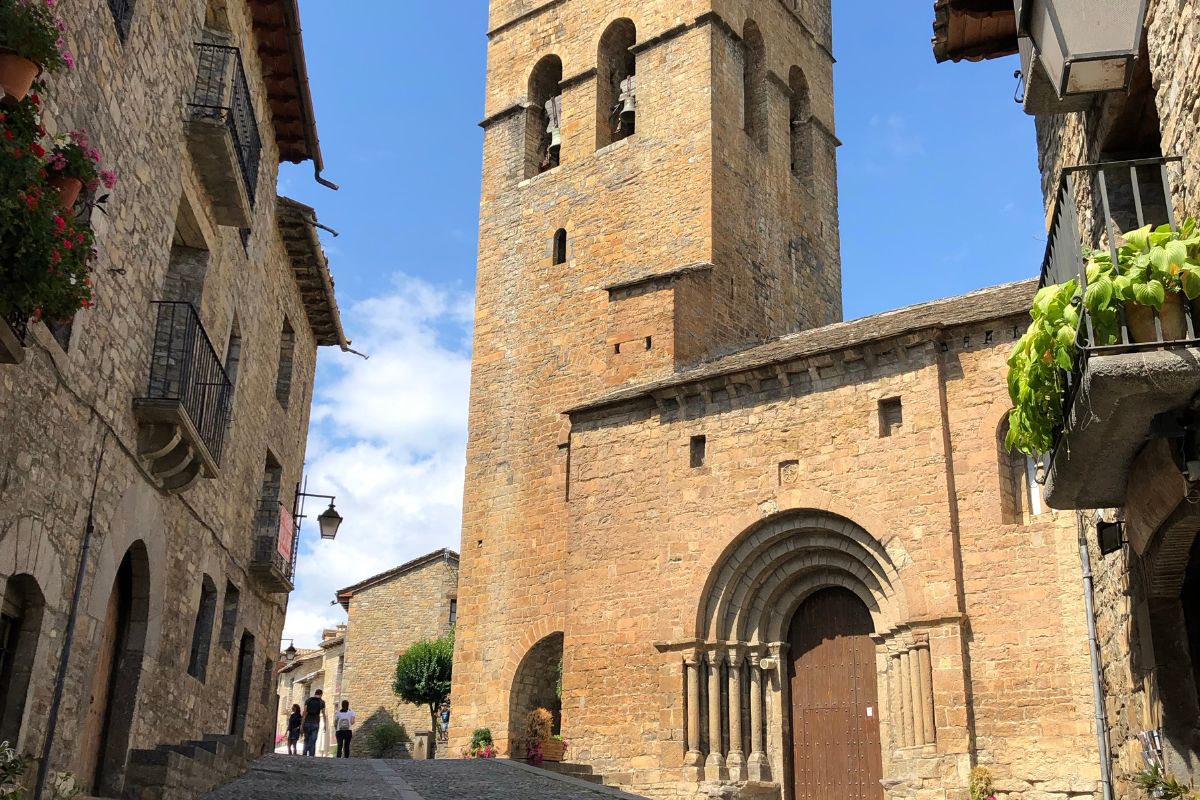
{"x": 1156, "y": 269}
{"x": 75, "y": 165}
{"x": 31, "y": 41}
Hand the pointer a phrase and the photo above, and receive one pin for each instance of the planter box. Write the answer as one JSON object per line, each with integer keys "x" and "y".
{"x": 553, "y": 750}
{"x": 12, "y": 348}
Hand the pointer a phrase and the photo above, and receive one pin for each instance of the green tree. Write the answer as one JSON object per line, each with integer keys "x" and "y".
{"x": 423, "y": 674}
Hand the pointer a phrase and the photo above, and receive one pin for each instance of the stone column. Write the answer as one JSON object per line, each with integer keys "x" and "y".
{"x": 895, "y": 706}
{"x": 714, "y": 765}
{"x": 926, "y": 667}
{"x": 756, "y": 766}
{"x": 906, "y": 711}
{"x": 692, "y": 762}
{"x": 918, "y": 696}
{"x": 736, "y": 761}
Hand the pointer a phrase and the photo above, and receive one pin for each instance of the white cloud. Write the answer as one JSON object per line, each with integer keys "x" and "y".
{"x": 388, "y": 438}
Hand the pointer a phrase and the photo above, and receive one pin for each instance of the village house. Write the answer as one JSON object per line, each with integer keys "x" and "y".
{"x": 152, "y": 445}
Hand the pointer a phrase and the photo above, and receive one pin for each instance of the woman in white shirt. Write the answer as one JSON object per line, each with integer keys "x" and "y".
{"x": 343, "y": 725}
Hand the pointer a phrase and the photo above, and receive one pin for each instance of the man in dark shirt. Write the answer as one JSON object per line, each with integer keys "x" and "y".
{"x": 314, "y": 712}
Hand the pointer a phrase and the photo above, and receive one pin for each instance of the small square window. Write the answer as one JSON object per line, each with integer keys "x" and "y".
{"x": 891, "y": 416}
{"x": 698, "y": 451}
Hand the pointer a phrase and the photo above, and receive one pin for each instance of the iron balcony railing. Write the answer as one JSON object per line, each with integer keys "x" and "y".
{"x": 223, "y": 93}
{"x": 268, "y": 530}
{"x": 19, "y": 324}
{"x": 1095, "y": 204}
{"x": 184, "y": 367}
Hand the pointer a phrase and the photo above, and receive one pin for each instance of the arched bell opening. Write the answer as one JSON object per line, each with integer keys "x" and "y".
{"x": 543, "y": 120}
{"x": 616, "y": 84}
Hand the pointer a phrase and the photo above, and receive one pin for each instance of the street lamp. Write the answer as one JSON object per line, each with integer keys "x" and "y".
{"x": 1085, "y": 46}
{"x": 289, "y": 655}
{"x": 329, "y": 520}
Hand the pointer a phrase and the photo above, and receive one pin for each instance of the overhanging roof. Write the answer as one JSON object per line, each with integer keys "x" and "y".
{"x": 298, "y": 229}
{"x": 285, "y": 74}
{"x": 974, "y": 30}
{"x": 445, "y": 554}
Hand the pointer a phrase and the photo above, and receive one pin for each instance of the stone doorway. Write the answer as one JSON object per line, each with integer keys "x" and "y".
{"x": 241, "y": 684}
{"x": 537, "y": 684}
{"x": 834, "y": 699}
{"x": 104, "y": 745}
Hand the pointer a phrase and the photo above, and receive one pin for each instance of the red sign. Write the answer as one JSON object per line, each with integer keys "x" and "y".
{"x": 286, "y": 533}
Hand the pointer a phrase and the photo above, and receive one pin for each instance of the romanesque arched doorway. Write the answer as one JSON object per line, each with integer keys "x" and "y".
{"x": 835, "y": 699}
{"x": 537, "y": 684}
{"x": 104, "y": 745}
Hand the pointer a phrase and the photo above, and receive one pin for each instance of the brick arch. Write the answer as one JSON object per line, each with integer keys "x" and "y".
{"x": 781, "y": 559}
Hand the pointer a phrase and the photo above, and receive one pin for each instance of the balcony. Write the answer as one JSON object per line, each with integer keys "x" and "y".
{"x": 1124, "y": 394}
{"x": 274, "y": 560}
{"x": 184, "y": 415}
{"x": 223, "y": 135}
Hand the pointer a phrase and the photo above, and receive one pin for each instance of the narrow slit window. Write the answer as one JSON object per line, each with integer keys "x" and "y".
{"x": 206, "y": 613}
{"x": 283, "y": 375}
{"x": 229, "y": 615}
{"x": 453, "y": 610}
{"x": 560, "y": 246}
{"x": 698, "y": 451}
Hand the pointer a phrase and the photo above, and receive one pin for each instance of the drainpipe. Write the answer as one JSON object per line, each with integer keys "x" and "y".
{"x": 1085, "y": 560}
{"x": 69, "y": 635}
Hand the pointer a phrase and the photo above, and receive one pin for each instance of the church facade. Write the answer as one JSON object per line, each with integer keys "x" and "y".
{"x": 770, "y": 553}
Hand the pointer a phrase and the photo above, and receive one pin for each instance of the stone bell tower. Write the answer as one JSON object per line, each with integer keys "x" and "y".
{"x": 659, "y": 187}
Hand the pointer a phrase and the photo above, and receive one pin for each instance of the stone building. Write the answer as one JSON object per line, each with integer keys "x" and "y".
{"x": 775, "y": 554}
{"x": 1112, "y": 161}
{"x": 387, "y": 613}
{"x": 151, "y": 445}
{"x": 319, "y": 668}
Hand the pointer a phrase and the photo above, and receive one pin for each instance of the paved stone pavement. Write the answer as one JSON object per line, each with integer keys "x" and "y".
{"x": 277, "y": 777}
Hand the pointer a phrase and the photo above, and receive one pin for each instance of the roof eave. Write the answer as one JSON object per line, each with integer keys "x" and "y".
{"x": 323, "y": 313}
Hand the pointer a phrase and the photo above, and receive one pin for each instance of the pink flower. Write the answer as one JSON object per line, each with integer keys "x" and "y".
{"x": 94, "y": 155}
{"x": 69, "y": 59}
{"x": 108, "y": 178}
{"x": 80, "y": 138}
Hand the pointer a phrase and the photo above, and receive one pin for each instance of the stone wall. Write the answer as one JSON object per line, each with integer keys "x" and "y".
{"x": 67, "y": 413}
{"x": 384, "y": 620}
{"x": 991, "y": 599}
{"x": 660, "y": 264}
{"x": 1126, "y": 618}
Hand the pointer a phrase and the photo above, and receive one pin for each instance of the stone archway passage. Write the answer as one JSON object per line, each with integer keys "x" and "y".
{"x": 537, "y": 684}
{"x": 835, "y": 699}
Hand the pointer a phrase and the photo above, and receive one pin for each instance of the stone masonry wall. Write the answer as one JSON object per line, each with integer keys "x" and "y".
{"x": 1173, "y": 45}
{"x": 62, "y": 408}
{"x": 384, "y": 620}
{"x": 649, "y": 210}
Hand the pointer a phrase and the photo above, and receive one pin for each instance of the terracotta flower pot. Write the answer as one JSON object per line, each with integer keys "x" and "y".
{"x": 68, "y": 189}
{"x": 17, "y": 74}
{"x": 1140, "y": 320}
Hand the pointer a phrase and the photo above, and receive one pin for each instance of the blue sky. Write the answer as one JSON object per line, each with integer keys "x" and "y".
{"x": 939, "y": 196}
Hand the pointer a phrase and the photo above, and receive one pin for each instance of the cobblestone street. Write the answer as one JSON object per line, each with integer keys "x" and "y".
{"x": 277, "y": 777}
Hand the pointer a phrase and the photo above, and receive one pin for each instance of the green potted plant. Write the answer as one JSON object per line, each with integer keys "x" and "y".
{"x": 74, "y": 165}
{"x": 482, "y": 745}
{"x": 31, "y": 41}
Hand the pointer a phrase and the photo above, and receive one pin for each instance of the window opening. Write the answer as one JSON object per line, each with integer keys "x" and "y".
{"x": 229, "y": 615}
{"x": 560, "y": 246}
{"x": 202, "y": 631}
{"x": 20, "y": 630}
{"x": 453, "y": 611}
{"x": 283, "y": 375}
{"x": 891, "y": 416}
{"x": 543, "y": 122}
{"x": 616, "y": 91}
{"x": 233, "y": 352}
{"x": 801, "y": 125}
{"x": 122, "y": 11}
{"x": 698, "y": 451}
{"x": 754, "y": 84}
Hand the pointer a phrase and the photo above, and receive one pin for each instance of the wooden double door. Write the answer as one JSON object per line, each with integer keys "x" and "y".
{"x": 835, "y": 700}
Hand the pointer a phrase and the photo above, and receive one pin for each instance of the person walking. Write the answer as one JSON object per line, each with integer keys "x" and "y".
{"x": 444, "y": 733}
{"x": 314, "y": 714}
{"x": 294, "y": 726}
{"x": 343, "y": 726}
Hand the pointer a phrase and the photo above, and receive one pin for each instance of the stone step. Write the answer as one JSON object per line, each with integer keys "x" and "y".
{"x": 581, "y": 771}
